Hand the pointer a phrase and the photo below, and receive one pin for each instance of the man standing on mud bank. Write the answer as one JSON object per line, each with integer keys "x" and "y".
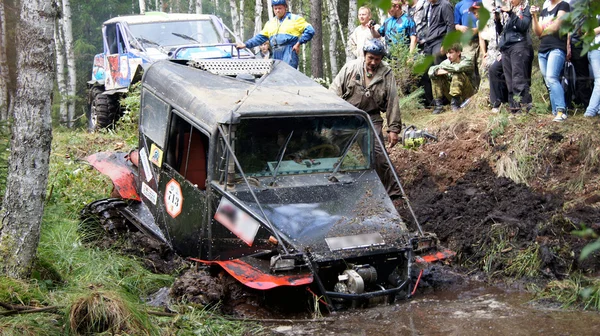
{"x": 285, "y": 31}
{"x": 369, "y": 85}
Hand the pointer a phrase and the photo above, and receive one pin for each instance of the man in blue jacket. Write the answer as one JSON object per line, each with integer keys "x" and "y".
{"x": 285, "y": 31}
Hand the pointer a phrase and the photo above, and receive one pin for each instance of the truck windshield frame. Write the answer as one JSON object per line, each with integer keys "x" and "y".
{"x": 316, "y": 145}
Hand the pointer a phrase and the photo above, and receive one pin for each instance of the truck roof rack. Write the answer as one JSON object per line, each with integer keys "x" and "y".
{"x": 227, "y": 67}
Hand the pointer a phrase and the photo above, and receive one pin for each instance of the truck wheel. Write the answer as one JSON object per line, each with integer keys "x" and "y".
{"x": 103, "y": 111}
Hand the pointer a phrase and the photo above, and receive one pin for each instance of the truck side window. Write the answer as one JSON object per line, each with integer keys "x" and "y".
{"x": 111, "y": 39}
{"x": 155, "y": 114}
{"x": 186, "y": 152}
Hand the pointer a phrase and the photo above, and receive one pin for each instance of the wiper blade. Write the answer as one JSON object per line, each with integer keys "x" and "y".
{"x": 287, "y": 141}
{"x": 146, "y": 41}
{"x": 346, "y": 150}
{"x": 186, "y": 37}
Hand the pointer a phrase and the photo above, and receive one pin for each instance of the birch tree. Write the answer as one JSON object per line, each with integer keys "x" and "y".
{"x": 198, "y": 6}
{"x": 60, "y": 59}
{"x": 23, "y": 205}
{"x": 4, "y": 77}
{"x": 270, "y": 9}
{"x": 242, "y": 15}
{"x": 142, "y": 6}
{"x": 235, "y": 18}
{"x": 71, "y": 72}
{"x": 316, "y": 62}
{"x": 333, "y": 37}
{"x": 352, "y": 17}
{"x": 258, "y": 8}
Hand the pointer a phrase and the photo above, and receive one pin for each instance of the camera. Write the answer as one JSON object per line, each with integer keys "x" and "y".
{"x": 497, "y": 9}
{"x": 371, "y": 24}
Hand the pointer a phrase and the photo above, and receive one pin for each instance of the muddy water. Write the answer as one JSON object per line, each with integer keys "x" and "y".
{"x": 473, "y": 310}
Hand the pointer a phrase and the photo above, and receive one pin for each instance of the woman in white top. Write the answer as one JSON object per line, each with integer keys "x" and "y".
{"x": 593, "y": 108}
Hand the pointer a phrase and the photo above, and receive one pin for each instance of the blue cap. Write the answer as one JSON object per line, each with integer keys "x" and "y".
{"x": 278, "y": 2}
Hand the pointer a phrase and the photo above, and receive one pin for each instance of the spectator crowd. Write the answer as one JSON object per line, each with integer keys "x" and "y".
{"x": 502, "y": 52}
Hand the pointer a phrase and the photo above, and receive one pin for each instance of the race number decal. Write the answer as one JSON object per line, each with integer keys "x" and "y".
{"x": 173, "y": 198}
{"x": 237, "y": 221}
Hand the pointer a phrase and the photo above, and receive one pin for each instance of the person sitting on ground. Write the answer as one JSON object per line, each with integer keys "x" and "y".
{"x": 369, "y": 84}
{"x": 361, "y": 33}
{"x": 452, "y": 79}
{"x": 264, "y": 51}
{"x": 285, "y": 31}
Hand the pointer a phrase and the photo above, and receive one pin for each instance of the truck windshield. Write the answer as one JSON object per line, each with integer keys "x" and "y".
{"x": 303, "y": 145}
{"x": 177, "y": 32}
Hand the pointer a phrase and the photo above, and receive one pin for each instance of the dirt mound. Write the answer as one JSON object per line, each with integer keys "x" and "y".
{"x": 494, "y": 224}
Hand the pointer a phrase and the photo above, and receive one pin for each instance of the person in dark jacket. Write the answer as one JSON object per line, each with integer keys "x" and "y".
{"x": 439, "y": 17}
{"x": 517, "y": 52}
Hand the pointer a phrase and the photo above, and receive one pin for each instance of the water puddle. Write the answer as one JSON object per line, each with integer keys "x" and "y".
{"x": 477, "y": 310}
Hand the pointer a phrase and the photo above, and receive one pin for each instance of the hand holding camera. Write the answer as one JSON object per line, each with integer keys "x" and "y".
{"x": 371, "y": 24}
{"x": 534, "y": 10}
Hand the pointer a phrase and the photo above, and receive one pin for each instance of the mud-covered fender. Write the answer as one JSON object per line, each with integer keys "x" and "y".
{"x": 121, "y": 170}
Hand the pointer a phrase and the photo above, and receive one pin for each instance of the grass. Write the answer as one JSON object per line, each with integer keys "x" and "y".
{"x": 98, "y": 290}
{"x": 526, "y": 263}
{"x": 577, "y": 290}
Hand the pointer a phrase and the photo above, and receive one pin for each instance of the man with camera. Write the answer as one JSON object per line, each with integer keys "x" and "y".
{"x": 361, "y": 33}
{"x": 399, "y": 27}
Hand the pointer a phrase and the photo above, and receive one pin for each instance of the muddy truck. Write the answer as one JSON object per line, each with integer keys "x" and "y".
{"x": 132, "y": 42}
{"x": 252, "y": 167}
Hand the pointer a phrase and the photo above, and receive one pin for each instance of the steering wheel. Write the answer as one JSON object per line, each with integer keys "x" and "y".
{"x": 321, "y": 150}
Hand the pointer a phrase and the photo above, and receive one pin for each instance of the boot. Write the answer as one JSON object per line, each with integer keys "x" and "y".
{"x": 455, "y": 103}
{"x": 439, "y": 107}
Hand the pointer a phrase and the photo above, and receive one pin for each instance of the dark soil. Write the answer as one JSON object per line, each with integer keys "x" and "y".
{"x": 472, "y": 210}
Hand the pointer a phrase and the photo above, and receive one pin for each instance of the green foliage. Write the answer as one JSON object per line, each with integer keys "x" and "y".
{"x": 526, "y": 263}
{"x": 582, "y": 19}
{"x": 383, "y": 4}
{"x": 204, "y": 321}
{"x": 400, "y": 59}
{"x": 577, "y": 290}
{"x": 497, "y": 125}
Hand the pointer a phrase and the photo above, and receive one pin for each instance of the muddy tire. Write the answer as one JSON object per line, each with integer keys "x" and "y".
{"x": 103, "y": 110}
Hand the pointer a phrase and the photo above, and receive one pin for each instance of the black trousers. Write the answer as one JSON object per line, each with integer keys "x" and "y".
{"x": 498, "y": 89}
{"x": 585, "y": 83}
{"x": 516, "y": 64}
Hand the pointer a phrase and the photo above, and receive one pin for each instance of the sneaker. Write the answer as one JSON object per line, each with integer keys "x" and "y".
{"x": 589, "y": 115}
{"x": 496, "y": 110}
{"x": 560, "y": 116}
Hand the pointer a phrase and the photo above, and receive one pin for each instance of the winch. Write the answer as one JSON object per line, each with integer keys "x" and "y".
{"x": 355, "y": 280}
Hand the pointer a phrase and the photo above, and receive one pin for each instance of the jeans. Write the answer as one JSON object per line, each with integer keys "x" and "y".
{"x": 594, "y": 106}
{"x": 551, "y": 66}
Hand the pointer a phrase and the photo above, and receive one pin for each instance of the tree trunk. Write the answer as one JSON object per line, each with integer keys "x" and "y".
{"x": 72, "y": 74}
{"x": 270, "y": 9}
{"x": 258, "y": 8}
{"x": 382, "y": 15}
{"x": 61, "y": 80}
{"x": 198, "y": 6}
{"x": 316, "y": 44}
{"x": 333, "y": 21}
{"x": 235, "y": 18}
{"x": 23, "y": 206}
{"x": 4, "y": 77}
{"x": 242, "y": 15}
{"x": 142, "y": 6}
{"x": 352, "y": 17}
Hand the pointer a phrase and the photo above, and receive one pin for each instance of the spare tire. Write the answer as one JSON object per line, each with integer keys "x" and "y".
{"x": 103, "y": 111}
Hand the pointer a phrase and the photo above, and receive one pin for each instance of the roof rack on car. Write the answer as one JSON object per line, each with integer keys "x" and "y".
{"x": 234, "y": 67}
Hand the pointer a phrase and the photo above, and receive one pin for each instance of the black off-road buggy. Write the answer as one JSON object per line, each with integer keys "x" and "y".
{"x": 253, "y": 167}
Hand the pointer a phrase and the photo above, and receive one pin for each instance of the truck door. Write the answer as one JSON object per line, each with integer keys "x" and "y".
{"x": 118, "y": 72}
{"x": 182, "y": 186}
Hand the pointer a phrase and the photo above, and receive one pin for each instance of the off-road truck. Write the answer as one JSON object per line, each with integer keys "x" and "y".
{"x": 132, "y": 42}
{"x": 253, "y": 167}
